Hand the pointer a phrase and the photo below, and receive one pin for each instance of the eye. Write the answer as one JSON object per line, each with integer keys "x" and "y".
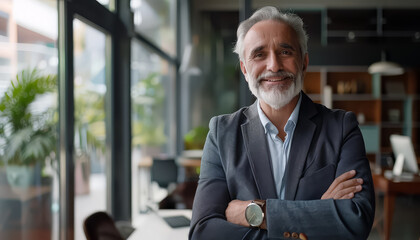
{"x": 286, "y": 52}
{"x": 258, "y": 55}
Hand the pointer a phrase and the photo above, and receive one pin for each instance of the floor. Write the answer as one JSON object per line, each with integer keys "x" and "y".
{"x": 85, "y": 205}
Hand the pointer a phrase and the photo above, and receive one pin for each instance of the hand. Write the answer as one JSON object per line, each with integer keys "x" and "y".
{"x": 344, "y": 187}
{"x": 235, "y": 212}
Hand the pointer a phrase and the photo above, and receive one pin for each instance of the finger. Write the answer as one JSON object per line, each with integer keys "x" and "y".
{"x": 335, "y": 186}
{"x": 348, "y": 193}
{"x": 343, "y": 177}
{"x": 347, "y": 184}
{"x": 349, "y": 196}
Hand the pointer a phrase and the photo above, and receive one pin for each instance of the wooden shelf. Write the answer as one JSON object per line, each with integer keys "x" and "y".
{"x": 393, "y": 97}
{"x": 389, "y": 105}
{"x": 392, "y": 124}
{"x": 353, "y": 97}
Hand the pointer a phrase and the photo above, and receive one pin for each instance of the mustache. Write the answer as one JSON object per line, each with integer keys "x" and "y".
{"x": 281, "y": 74}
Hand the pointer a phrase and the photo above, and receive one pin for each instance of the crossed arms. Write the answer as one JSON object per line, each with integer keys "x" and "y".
{"x": 343, "y": 187}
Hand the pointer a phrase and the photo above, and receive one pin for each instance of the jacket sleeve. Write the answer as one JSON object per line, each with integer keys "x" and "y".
{"x": 212, "y": 198}
{"x": 331, "y": 219}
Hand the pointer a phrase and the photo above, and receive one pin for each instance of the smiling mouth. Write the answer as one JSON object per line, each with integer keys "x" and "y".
{"x": 276, "y": 80}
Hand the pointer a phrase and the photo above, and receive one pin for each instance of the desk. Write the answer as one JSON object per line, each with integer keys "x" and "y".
{"x": 191, "y": 167}
{"x": 189, "y": 162}
{"x": 391, "y": 187}
{"x": 146, "y": 191}
{"x": 152, "y": 226}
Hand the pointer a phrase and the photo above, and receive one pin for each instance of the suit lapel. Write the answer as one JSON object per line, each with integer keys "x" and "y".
{"x": 301, "y": 142}
{"x": 258, "y": 153}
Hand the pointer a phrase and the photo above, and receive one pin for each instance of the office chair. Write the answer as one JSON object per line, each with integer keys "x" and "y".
{"x": 164, "y": 171}
{"x": 100, "y": 226}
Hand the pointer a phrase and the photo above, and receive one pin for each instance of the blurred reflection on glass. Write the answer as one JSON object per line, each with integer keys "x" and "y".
{"x": 89, "y": 123}
{"x": 153, "y": 115}
{"x": 28, "y": 119}
{"x": 156, "y": 19}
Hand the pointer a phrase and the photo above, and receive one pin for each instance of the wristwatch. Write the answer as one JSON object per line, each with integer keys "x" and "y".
{"x": 254, "y": 213}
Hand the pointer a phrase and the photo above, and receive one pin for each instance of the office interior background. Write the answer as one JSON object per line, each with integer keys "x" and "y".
{"x": 93, "y": 92}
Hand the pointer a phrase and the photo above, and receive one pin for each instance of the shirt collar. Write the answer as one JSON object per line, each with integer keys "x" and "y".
{"x": 291, "y": 122}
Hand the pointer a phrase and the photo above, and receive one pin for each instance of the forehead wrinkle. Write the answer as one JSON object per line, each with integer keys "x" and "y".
{"x": 267, "y": 38}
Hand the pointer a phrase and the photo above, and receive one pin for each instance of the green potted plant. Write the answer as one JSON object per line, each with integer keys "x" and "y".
{"x": 27, "y": 137}
{"x": 195, "y": 138}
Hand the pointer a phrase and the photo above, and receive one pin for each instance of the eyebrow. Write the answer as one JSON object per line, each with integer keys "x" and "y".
{"x": 255, "y": 50}
{"x": 288, "y": 46}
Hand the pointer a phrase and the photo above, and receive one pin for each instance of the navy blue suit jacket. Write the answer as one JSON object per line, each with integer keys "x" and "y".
{"x": 236, "y": 164}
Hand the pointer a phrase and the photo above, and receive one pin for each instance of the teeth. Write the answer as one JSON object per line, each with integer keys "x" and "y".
{"x": 274, "y": 80}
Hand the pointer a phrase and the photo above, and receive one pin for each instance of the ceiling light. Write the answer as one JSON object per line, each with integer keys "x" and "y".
{"x": 385, "y": 68}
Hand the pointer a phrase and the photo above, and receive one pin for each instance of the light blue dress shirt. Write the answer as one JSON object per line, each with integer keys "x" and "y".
{"x": 279, "y": 150}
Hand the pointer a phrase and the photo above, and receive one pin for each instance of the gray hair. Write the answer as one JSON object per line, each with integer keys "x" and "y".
{"x": 271, "y": 13}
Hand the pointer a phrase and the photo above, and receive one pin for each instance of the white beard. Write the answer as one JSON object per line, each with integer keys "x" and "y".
{"x": 275, "y": 97}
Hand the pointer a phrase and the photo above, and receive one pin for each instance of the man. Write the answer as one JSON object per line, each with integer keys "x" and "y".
{"x": 284, "y": 167}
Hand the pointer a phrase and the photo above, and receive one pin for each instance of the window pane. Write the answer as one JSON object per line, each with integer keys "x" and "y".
{"x": 216, "y": 90}
{"x": 106, "y": 3}
{"x": 28, "y": 119}
{"x": 89, "y": 123}
{"x": 156, "y": 19}
{"x": 153, "y": 121}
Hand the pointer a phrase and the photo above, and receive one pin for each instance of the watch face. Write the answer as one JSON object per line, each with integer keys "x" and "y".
{"x": 254, "y": 215}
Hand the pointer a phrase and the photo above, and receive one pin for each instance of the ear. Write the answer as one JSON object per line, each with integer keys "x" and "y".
{"x": 243, "y": 69}
{"x": 305, "y": 62}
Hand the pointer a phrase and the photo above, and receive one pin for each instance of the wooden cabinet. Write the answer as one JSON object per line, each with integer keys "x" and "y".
{"x": 384, "y": 105}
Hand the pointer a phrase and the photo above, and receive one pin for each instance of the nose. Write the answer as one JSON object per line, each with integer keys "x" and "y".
{"x": 274, "y": 63}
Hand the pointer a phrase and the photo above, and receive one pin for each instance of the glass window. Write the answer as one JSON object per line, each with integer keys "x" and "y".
{"x": 4, "y": 21}
{"x": 89, "y": 123}
{"x": 156, "y": 19}
{"x": 215, "y": 90}
{"x": 106, "y": 3}
{"x": 153, "y": 108}
{"x": 28, "y": 119}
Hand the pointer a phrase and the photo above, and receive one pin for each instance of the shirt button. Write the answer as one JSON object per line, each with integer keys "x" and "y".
{"x": 295, "y": 235}
{"x": 286, "y": 234}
